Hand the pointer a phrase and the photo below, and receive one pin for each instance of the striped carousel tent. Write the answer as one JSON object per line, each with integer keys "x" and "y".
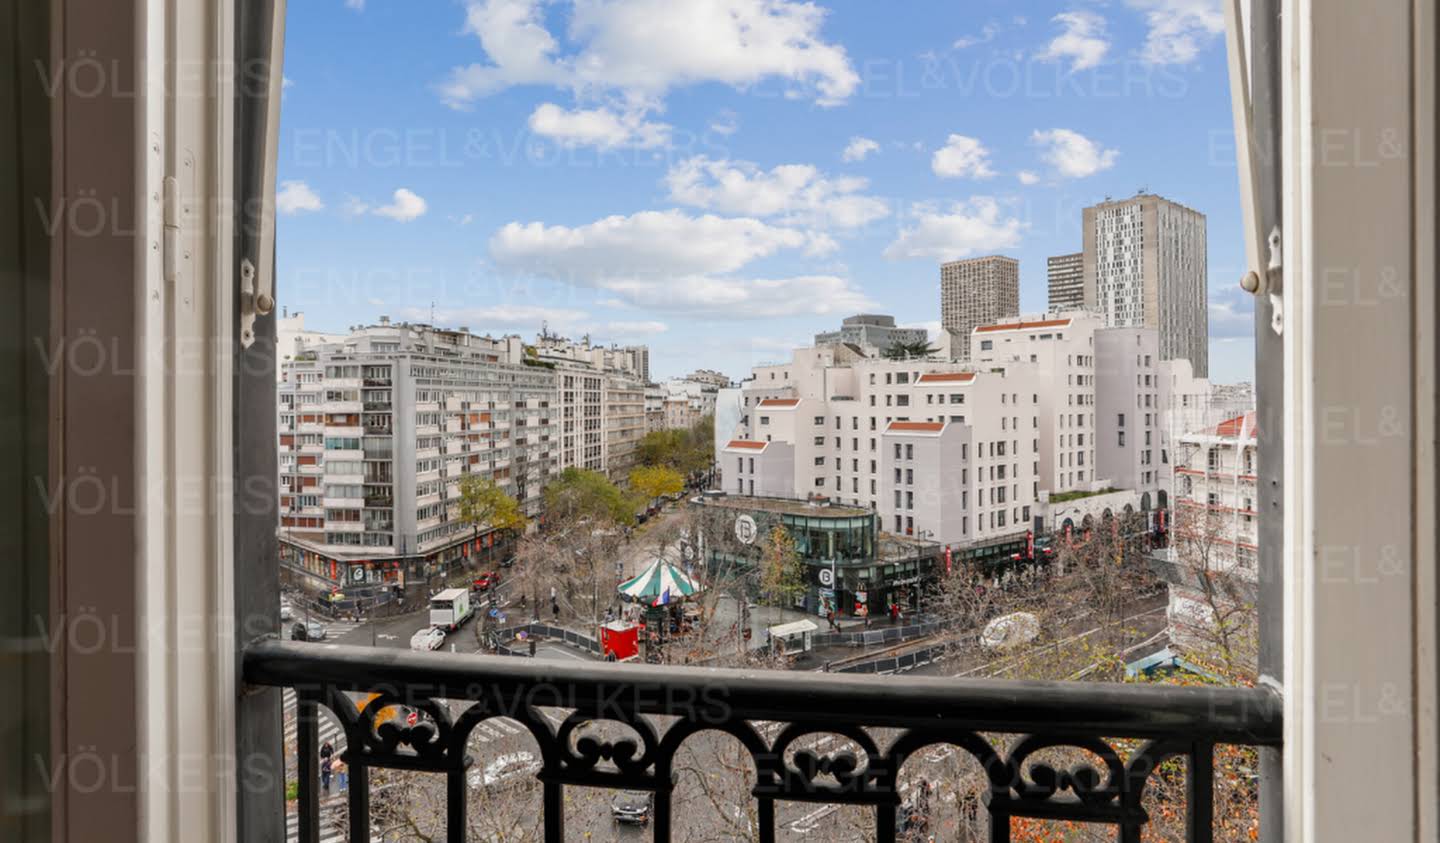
{"x": 659, "y": 584}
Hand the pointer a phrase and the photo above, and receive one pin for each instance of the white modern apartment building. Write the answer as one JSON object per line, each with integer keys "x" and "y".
{"x": 1062, "y": 347}
{"x": 1111, "y": 409}
{"x": 1145, "y": 266}
{"x": 940, "y": 451}
{"x": 376, "y": 431}
{"x": 292, "y": 336}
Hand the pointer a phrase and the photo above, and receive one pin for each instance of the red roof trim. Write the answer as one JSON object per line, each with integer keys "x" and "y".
{"x": 930, "y": 427}
{"x": 1024, "y": 326}
{"x": 1232, "y": 427}
{"x": 779, "y": 402}
{"x": 746, "y": 443}
{"x": 946, "y": 377}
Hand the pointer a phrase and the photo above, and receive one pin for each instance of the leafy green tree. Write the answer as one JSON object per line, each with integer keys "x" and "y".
{"x": 688, "y": 451}
{"x": 782, "y": 571}
{"x": 484, "y": 504}
{"x": 661, "y": 447}
{"x": 656, "y": 481}
{"x": 580, "y": 493}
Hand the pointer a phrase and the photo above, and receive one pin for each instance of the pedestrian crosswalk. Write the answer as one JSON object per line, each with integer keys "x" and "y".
{"x": 338, "y": 628}
{"x": 330, "y": 729}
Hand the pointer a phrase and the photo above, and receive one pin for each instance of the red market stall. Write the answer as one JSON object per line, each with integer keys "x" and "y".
{"x": 620, "y": 639}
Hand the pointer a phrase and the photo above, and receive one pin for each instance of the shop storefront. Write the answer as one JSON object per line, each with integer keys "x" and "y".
{"x": 851, "y": 567}
{"x": 323, "y": 571}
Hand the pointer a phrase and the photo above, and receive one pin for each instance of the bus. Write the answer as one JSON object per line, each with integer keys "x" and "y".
{"x": 450, "y": 608}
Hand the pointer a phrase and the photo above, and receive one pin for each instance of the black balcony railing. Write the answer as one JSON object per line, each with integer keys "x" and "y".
{"x": 1008, "y": 727}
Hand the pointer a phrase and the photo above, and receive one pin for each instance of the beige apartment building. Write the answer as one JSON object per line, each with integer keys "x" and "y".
{"x": 975, "y": 292}
{"x": 376, "y": 432}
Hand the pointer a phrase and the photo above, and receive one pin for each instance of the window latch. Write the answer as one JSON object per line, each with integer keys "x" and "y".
{"x": 1269, "y": 284}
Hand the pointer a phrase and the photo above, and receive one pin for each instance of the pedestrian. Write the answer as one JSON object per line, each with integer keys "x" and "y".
{"x": 342, "y": 774}
{"x": 326, "y": 769}
{"x": 327, "y": 749}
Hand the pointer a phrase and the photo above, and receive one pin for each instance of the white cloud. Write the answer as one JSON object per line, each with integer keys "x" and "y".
{"x": 637, "y": 329}
{"x": 1232, "y": 316}
{"x": 1072, "y": 154}
{"x": 858, "y": 148}
{"x": 357, "y": 5}
{"x": 671, "y": 261}
{"x": 404, "y": 206}
{"x": 987, "y": 33}
{"x": 966, "y": 229}
{"x": 296, "y": 196}
{"x": 600, "y": 127}
{"x": 1082, "y": 40}
{"x": 463, "y": 219}
{"x": 354, "y": 207}
{"x": 962, "y": 157}
{"x": 1178, "y": 29}
{"x": 1028, "y": 176}
{"x": 746, "y": 298}
{"x": 796, "y": 194}
{"x": 501, "y": 317}
{"x": 659, "y": 244}
{"x": 725, "y": 123}
{"x": 643, "y": 48}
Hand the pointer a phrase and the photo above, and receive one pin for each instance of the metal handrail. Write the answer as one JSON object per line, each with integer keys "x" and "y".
{"x": 971, "y": 714}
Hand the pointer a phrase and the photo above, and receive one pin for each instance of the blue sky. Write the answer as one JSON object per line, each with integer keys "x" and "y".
{"x": 720, "y": 179}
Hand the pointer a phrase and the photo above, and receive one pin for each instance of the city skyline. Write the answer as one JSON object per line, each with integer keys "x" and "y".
{"x": 724, "y": 209}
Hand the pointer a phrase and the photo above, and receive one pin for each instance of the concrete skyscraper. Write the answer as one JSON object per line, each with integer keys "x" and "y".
{"x": 1145, "y": 266}
{"x": 975, "y": 292}
{"x": 1067, "y": 282}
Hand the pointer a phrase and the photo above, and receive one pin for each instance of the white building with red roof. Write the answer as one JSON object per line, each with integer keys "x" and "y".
{"x": 941, "y": 450}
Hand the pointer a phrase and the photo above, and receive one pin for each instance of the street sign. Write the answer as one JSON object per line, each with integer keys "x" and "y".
{"x": 827, "y": 577}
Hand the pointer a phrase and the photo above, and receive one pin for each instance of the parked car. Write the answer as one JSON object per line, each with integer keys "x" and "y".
{"x": 287, "y": 612}
{"x": 486, "y": 581}
{"x": 632, "y": 806}
{"x": 429, "y": 638}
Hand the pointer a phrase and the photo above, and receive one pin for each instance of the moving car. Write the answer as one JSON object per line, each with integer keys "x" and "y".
{"x": 632, "y": 806}
{"x": 287, "y": 612}
{"x": 429, "y": 638}
{"x": 486, "y": 581}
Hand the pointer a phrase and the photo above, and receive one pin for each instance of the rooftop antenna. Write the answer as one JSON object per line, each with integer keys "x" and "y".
{"x": 432, "y": 313}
